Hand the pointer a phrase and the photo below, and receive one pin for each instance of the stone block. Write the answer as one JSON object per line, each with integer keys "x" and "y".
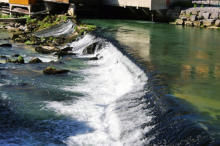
{"x": 206, "y": 15}
{"x": 193, "y": 18}
{"x": 188, "y": 12}
{"x": 197, "y": 23}
{"x": 183, "y": 12}
{"x": 214, "y": 15}
{"x": 200, "y": 16}
{"x": 217, "y": 23}
{"x": 188, "y": 23}
{"x": 195, "y": 12}
{"x": 179, "y": 22}
{"x": 184, "y": 18}
{"x": 209, "y": 22}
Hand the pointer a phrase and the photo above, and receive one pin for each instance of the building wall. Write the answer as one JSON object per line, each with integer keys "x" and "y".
{"x": 151, "y": 4}
{"x": 4, "y": 1}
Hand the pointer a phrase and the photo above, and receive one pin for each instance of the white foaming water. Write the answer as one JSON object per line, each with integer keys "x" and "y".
{"x": 113, "y": 105}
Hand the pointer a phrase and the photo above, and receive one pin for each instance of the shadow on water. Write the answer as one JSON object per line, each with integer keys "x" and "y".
{"x": 15, "y": 128}
{"x": 24, "y": 93}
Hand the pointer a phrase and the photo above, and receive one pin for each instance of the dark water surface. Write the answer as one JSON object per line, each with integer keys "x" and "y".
{"x": 188, "y": 59}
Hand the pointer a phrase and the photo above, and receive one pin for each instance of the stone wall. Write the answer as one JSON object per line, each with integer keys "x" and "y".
{"x": 200, "y": 17}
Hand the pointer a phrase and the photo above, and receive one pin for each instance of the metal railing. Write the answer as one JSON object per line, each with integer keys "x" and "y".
{"x": 207, "y": 2}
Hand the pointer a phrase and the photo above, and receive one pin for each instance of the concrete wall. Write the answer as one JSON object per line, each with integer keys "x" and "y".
{"x": 131, "y": 3}
{"x": 4, "y": 1}
{"x": 151, "y": 4}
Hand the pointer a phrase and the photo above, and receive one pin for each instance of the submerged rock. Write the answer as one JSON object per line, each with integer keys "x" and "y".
{"x": 54, "y": 71}
{"x": 35, "y": 60}
{"x": 92, "y": 48}
{"x": 19, "y": 60}
{"x": 46, "y": 49}
{"x": 6, "y": 45}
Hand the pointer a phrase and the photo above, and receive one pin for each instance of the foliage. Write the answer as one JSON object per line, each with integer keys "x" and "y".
{"x": 195, "y": 5}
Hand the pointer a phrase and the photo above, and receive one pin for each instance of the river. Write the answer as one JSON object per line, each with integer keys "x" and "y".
{"x": 154, "y": 84}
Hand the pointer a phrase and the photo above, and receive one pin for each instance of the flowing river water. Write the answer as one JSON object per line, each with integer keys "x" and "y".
{"x": 118, "y": 99}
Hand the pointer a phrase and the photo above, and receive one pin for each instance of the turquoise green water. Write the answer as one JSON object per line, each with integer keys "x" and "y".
{"x": 188, "y": 59}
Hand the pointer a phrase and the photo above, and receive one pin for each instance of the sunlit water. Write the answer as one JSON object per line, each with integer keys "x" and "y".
{"x": 113, "y": 101}
{"x": 187, "y": 58}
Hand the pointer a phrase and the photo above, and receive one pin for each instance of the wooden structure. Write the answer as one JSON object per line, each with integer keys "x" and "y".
{"x": 20, "y": 5}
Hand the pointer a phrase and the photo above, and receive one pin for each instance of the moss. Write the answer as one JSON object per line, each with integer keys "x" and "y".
{"x": 29, "y": 43}
{"x": 20, "y": 59}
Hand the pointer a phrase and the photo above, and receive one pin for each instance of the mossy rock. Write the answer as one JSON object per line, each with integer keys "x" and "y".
{"x": 35, "y": 61}
{"x": 53, "y": 71}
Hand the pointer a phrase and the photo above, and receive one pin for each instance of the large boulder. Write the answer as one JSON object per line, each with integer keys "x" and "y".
{"x": 217, "y": 23}
{"x": 208, "y": 22}
{"x": 206, "y": 15}
{"x": 35, "y": 60}
{"x": 46, "y": 49}
{"x": 179, "y": 22}
{"x": 54, "y": 71}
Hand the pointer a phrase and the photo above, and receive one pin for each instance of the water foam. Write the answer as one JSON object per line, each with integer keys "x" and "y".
{"x": 113, "y": 103}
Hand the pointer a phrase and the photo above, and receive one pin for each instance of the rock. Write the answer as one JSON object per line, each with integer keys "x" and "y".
{"x": 61, "y": 53}
{"x": 94, "y": 58}
{"x": 188, "y": 12}
{"x": 6, "y": 45}
{"x": 179, "y": 22}
{"x": 208, "y": 22}
{"x": 19, "y": 60}
{"x": 200, "y": 16}
{"x": 197, "y": 23}
{"x": 188, "y": 23}
{"x": 184, "y": 18}
{"x": 90, "y": 49}
{"x": 3, "y": 57}
{"x": 67, "y": 49}
{"x": 193, "y": 18}
{"x": 183, "y": 12}
{"x": 206, "y": 15}
{"x": 214, "y": 15}
{"x": 15, "y": 55}
{"x": 71, "y": 10}
{"x": 17, "y": 25}
{"x": 194, "y": 12}
{"x": 46, "y": 49}
{"x": 217, "y": 23}
{"x": 54, "y": 71}
{"x": 35, "y": 60}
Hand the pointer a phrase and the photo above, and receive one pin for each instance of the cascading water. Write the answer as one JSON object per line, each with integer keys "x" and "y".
{"x": 112, "y": 106}
{"x": 106, "y": 101}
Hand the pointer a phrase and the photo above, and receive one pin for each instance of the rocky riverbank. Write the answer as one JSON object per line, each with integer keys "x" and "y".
{"x": 208, "y": 17}
{"x": 47, "y": 35}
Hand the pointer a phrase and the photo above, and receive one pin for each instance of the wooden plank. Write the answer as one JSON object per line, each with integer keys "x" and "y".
{"x": 22, "y": 2}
